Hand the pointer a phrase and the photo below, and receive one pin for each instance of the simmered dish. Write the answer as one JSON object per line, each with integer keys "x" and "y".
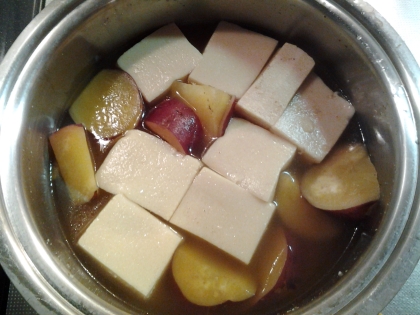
{"x": 211, "y": 182}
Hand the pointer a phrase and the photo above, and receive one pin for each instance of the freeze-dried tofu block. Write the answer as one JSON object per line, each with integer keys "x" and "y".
{"x": 223, "y": 214}
{"x": 158, "y": 60}
{"x": 232, "y": 59}
{"x": 148, "y": 171}
{"x": 265, "y": 101}
{"x": 131, "y": 242}
{"x": 315, "y": 119}
{"x": 250, "y": 156}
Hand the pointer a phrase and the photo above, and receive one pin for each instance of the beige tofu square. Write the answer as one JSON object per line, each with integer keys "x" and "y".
{"x": 132, "y": 243}
{"x": 160, "y": 59}
{"x": 232, "y": 59}
{"x": 223, "y": 214}
{"x": 148, "y": 171}
{"x": 251, "y": 157}
{"x": 315, "y": 119}
{"x": 265, "y": 101}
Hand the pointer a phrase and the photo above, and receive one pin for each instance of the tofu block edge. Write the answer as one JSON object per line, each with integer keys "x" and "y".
{"x": 251, "y": 157}
{"x": 123, "y": 237}
{"x": 267, "y": 98}
{"x": 148, "y": 171}
{"x": 223, "y": 214}
{"x": 235, "y": 71}
{"x": 158, "y": 60}
{"x": 315, "y": 119}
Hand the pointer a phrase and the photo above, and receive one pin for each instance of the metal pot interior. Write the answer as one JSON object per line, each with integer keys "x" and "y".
{"x": 92, "y": 34}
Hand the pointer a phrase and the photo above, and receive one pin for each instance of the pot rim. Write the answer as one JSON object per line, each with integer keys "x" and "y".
{"x": 45, "y": 299}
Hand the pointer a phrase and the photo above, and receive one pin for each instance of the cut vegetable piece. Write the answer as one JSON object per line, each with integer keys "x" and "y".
{"x": 314, "y": 119}
{"x": 75, "y": 163}
{"x": 131, "y": 243}
{"x": 207, "y": 278}
{"x": 214, "y": 107}
{"x": 148, "y": 171}
{"x": 223, "y": 214}
{"x": 299, "y": 216}
{"x": 271, "y": 261}
{"x": 109, "y": 105}
{"x": 232, "y": 59}
{"x": 176, "y": 123}
{"x": 345, "y": 180}
{"x": 267, "y": 98}
{"x": 160, "y": 59}
{"x": 250, "y": 156}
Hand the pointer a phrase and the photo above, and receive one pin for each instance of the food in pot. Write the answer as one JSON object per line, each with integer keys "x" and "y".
{"x": 220, "y": 195}
{"x": 177, "y": 124}
{"x": 213, "y": 106}
{"x": 158, "y": 60}
{"x": 298, "y": 215}
{"x": 232, "y": 59}
{"x": 346, "y": 180}
{"x": 109, "y": 105}
{"x": 126, "y": 238}
{"x": 148, "y": 171}
{"x": 264, "y": 102}
{"x": 223, "y": 214}
{"x": 206, "y": 279}
{"x": 314, "y": 119}
{"x": 251, "y": 157}
{"x": 74, "y": 159}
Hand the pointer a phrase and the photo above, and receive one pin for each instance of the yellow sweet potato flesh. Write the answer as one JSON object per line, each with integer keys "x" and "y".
{"x": 207, "y": 278}
{"x": 75, "y": 162}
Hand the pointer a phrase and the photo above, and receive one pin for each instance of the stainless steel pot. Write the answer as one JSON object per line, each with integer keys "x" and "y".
{"x": 70, "y": 40}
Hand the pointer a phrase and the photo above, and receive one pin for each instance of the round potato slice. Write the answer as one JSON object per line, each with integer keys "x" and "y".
{"x": 300, "y": 216}
{"x": 109, "y": 105}
{"x": 206, "y": 278}
{"x": 345, "y": 180}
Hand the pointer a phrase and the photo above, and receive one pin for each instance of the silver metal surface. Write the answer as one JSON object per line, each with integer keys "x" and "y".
{"x": 403, "y": 16}
{"x": 63, "y": 47}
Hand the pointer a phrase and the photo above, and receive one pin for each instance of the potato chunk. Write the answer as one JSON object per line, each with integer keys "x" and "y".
{"x": 345, "y": 180}
{"x": 75, "y": 163}
{"x": 301, "y": 217}
{"x": 212, "y": 106}
{"x": 206, "y": 278}
{"x": 109, "y": 105}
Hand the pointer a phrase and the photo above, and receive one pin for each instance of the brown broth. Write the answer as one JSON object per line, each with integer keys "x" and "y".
{"x": 309, "y": 261}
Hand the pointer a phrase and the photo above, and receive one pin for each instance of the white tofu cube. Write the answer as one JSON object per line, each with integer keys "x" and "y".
{"x": 251, "y": 157}
{"x": 158, "y": 60}
{"x": 315, "y": 119}
{"x": 232, "y": 59}
{"x": 265, "y": 101}
{"x": 148, "y": 171}
{"x": 132, "y": 243}
{"x": 223, "y": 214}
